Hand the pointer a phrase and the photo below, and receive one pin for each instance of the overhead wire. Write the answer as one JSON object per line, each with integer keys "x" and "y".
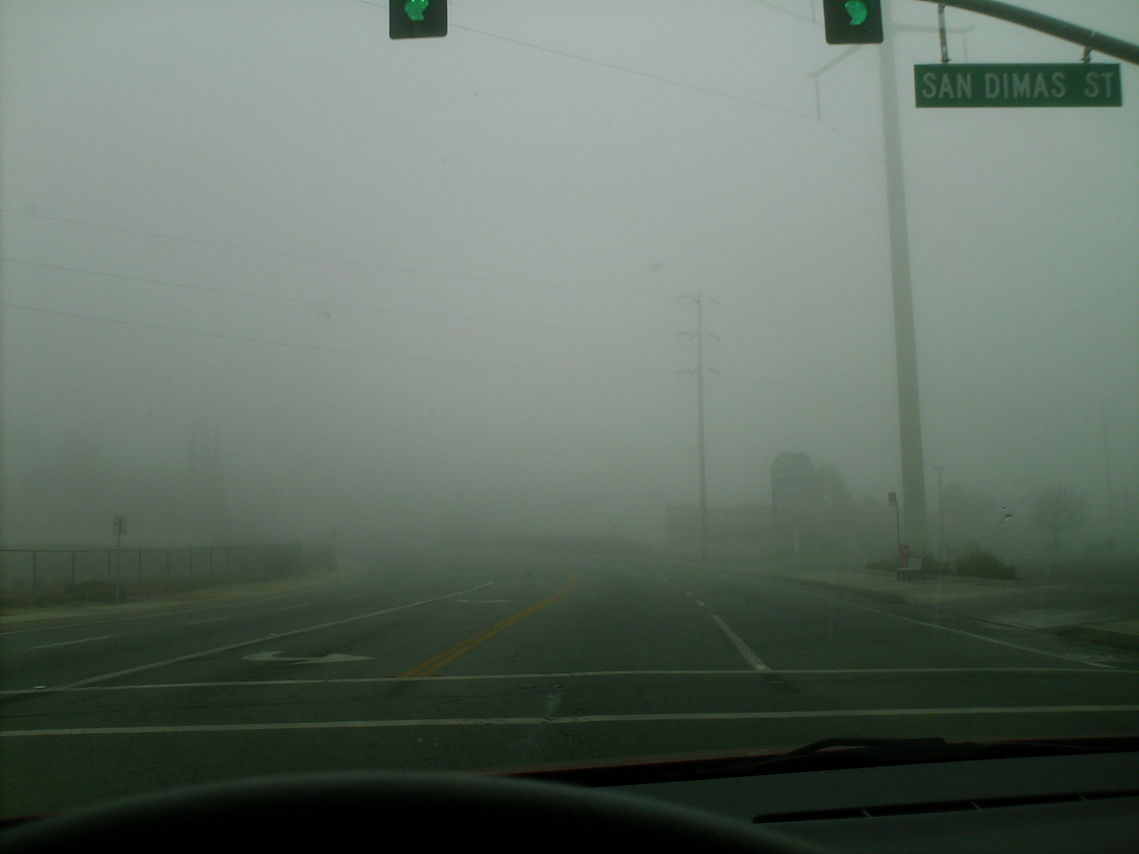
{"x": 322, "y": 303}
{"x": 835, "y": 131}
{"x": 367, "y": 265}
{"x": 615, "y": 67}
{"x": 842, "y": 385}
{"x": 481, "y": 363}
{"x": 388, "y": 267}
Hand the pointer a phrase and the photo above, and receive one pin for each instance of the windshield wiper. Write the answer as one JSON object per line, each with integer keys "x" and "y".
{"x": 826, "y": 755}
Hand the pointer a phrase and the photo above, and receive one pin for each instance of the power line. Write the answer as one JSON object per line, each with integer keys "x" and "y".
{"x": 877, "y": 158}
{"x": 842, "y": 385}
{"x": 807, "y": 18}
{"x": 338, "y": 350}
{"x": 614, "y": 67}
{"x": 656, "y": 77}
{"x": 296, "y": 300}
{"x": 365, "y": 265}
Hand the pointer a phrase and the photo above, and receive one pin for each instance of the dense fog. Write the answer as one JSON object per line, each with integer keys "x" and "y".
{"x": 269, "y": 275}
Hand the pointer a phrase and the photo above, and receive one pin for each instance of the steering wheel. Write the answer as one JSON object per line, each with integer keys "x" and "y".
{"x": 374, "y": 812}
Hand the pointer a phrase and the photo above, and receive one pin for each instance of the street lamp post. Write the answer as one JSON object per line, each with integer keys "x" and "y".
{"x": 892, "y": 498}
{"x": 942, "y": 546}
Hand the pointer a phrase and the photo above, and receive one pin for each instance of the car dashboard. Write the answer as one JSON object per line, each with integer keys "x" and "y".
{"x": 1071, "y": 804}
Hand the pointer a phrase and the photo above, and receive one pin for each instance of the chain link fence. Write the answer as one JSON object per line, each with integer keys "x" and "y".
{"x": 105, "y": 573}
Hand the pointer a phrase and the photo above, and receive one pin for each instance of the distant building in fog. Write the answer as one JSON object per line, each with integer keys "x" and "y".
{"x": 796, "y": 501}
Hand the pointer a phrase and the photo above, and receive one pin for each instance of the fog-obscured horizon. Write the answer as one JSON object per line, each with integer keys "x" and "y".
{"x": 268, "y": 274}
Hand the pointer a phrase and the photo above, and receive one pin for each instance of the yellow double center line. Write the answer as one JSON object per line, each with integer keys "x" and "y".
{"x": 433, "y": 664}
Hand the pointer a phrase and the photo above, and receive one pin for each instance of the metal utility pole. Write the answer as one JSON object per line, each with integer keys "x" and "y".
{"x": 118, "y": 528}
{"x": 1107, "y": 476}
{"x": 892, "y": 499}
{"x": 698, "y": 299}
{"x": 942, "y": 546}
{"x": 913, "y": 506}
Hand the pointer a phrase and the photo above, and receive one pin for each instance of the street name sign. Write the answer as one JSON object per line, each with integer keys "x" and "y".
{"x": 1074, "y": 84}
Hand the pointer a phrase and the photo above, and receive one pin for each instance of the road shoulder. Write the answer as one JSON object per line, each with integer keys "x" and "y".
{"x": 21, "y": 617}
{"x": 976, "y": 599}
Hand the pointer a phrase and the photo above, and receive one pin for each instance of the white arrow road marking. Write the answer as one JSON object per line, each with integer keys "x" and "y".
{"x": 103, "y": 677}
{"x": 275, "y": 655}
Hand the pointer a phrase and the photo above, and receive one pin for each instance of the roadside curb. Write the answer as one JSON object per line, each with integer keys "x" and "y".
{"x": 1104, "y": 637}
{"x": 872, "y": 595}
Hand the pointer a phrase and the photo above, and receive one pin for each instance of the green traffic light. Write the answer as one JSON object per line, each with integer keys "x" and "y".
{"x": 416, "y": 8}
{"x": 418, "y": 19}
{"x": 855, "y": 8}
{"x": 853, "y": 21}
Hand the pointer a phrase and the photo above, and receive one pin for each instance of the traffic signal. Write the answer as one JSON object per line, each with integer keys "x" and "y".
{"x": 853, "y": 21}
{"x": 417, "y": 19}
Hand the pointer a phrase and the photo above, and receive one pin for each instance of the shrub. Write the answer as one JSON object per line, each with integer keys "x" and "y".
{"x": 977, "y": 563}
{"x": 934, "y": 566}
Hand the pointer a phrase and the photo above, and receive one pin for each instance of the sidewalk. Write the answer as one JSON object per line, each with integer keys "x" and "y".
{"x": 1095, "y": 614}
{"x": 14, "y": 617}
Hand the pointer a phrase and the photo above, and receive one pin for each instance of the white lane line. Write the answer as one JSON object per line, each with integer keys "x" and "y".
{"x": 69, "y": 643}
{"x": 743, "y": 649}
{"x": 210, "y": 620}
{"x": 485, "y": 601}
{"x": 272, "y": 637}
{"x": 577, "y": 719}
{"x": 582, "y": 674}
{"x": 847, "y": 602}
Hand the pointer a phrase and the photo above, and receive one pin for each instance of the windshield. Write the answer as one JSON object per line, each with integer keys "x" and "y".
{"x": 598, "y": 381}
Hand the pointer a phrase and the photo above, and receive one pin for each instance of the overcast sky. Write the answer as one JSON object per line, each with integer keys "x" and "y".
{"x": 442, "y": 279}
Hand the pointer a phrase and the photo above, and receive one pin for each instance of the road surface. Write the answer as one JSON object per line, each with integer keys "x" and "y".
{"x": 492, "y": 661}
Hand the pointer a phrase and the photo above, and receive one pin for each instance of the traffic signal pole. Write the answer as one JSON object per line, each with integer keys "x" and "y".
{"x": 1089, "y": 38}
{"x": 700, "y": 425}
{"x": 868, "y": 22}
{"x": 905, "y": 339}
{"x": 905, "y": 342}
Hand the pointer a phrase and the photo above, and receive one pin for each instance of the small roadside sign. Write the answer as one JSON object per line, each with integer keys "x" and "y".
{"x": 1071, "y": 84}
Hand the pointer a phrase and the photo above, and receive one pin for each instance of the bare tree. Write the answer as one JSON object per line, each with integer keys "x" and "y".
{"x": 971, "y": 515}
{"x": 1057, "y": 509}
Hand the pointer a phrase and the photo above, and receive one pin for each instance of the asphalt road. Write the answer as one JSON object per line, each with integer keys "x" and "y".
{"x": 492, "y": 661}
